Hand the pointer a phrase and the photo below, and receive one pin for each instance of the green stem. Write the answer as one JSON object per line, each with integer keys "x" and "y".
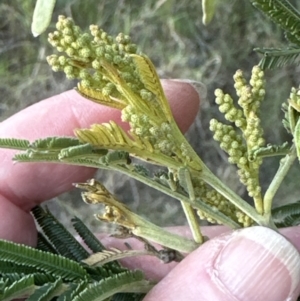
{"x": 197, "y": 204}
{"x": 193, "y": 222}
{"x": 285, "y": 165}
{"x": 165, "y": 238}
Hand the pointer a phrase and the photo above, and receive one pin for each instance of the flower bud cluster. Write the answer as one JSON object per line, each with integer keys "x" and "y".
{"x": 250, "y": 96}
{"x": 109, "y": 69}
{"x": 253, "y": 133}
{"x": 216, "y": 201}
{"x": 159, "y": 135}
{"x": 239, "y": 147}
{"x": 230, "y": 141}
{"x": 226, "y": 107}
{"x": 85, "y": 54}
{"x": 244, "y": 219}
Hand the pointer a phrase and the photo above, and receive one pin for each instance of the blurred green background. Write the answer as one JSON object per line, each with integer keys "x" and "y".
{"x": 171, "y": 33}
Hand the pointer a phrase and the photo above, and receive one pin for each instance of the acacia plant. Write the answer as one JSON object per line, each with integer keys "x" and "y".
{"x": 110, "y": 71}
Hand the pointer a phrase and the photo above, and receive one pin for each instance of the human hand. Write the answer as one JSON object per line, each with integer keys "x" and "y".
{"x": 230, "y": 267}
{"x": 252, "y": 264}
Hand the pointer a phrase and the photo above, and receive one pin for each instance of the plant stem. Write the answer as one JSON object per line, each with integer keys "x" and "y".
{"x": 197, "y": 204}
{"x": 165, "y": 238}
{"x": 193, "y": 222}
{"x": 93, "y": 161}
{"x": 285, "y": 165}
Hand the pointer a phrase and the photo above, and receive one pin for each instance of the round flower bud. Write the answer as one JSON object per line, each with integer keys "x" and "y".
{"x": 67, "y": 31}
{"x": 62, "y": 60}
{"x": 70, "y": 51}
{"x": 85, "y": 83}
{"x": 219, "y": 93}
{"x": 108, "y": 57}
{"x": 243, "y": 161}
{"x": 56, "y": 68}
{"x": 131, "y": 48}
{"x": 85, "y": 52}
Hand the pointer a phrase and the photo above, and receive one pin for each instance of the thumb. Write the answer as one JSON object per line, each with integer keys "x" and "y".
{"x": 256, "y": 263}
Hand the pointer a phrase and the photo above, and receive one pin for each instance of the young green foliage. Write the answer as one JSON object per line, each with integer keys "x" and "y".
{"x": 111, "y": 73}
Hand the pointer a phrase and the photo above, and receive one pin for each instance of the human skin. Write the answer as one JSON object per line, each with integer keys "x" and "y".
{"x": 250, "y": 264}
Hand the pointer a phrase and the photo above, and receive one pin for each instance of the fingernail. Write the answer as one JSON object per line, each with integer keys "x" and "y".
{"x": 258, "y": 263}
{"x": 198, "y": 86}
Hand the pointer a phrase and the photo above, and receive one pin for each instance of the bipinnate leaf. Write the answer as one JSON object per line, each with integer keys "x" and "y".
{"x": 61, "y": 239}
{"x": 91, "y": 241}
{"x": 44, "y": 245}
{"x": 48, "y": 263}
{"x": 19, "y": 289}
{"x": 106, "y": 256}
{"x": 55, "y": 143}
{"x": 97, "y": 96}
{"x": 12, "y": 143}
{"x": 282, "y": 13}
{"x": 287, "y": 215}
{"x": 112, "y": 136}
{"x": 94, "y": 244}
{"x": 277, "y": 58}
{"x": 130, "y": 281}
{"x": 74, "y": 290}
{"x": 150, "y": 79}
{"x": 75, "y": 151}
{"x": 48, "y": 291}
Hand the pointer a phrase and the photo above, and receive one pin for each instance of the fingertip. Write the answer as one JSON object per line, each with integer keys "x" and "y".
{"x": 15, "y": 224}
{"x": 184, "y": 100}
{"x": 255, "y": 263}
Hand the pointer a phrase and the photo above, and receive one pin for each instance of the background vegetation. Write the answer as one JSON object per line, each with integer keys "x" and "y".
{"x": 171, "y": 33}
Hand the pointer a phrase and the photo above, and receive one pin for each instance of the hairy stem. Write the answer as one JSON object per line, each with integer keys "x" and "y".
{"x": 285, "y": 165}
{"x": 193, "y": 222}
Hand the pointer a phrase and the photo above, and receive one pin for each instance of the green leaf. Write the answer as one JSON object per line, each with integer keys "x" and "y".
{"x": 75, "y": 151}
{"x": 61, "y": 239}
{"x": 87, "y": 236}
{"x": 128, "y": 297}
{"x": 7, "y": 267}
{"x": 287, "y": 215}
{"x": 131, "y": 281}
{"x": 55, "y": 143}
{"x": 42, "y": 16}
{"x": 19, "y": 289}
{"x": 208, "y": 7}
{"x": 14, "y": 143}
{"x": 32, "y": 156}
{"x": 116, "y": 157}
{"x": 48, "y": 291}
{"x": 282, "y": 13}
{"x": 73, "y": 291}
{"x": 276, "y": 58}
{"x": 44, "y": 245}
{"x": 47, "y": 262}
